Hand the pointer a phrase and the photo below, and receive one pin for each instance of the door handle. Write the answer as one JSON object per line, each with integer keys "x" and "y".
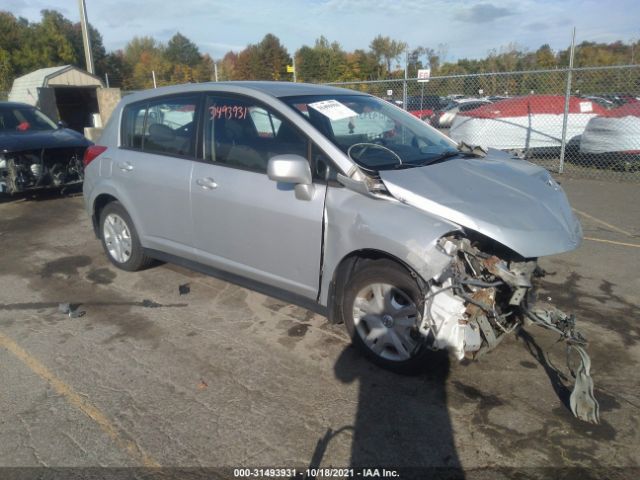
{"x": 207, "y": 183}
{"x": 125, "y": 166}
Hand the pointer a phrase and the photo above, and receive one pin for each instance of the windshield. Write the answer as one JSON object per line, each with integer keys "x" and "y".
{"x": 17, "y": 118}
{"x": 372, "y": 132}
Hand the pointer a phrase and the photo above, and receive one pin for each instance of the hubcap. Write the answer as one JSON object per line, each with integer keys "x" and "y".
{"x": 117, "y": 238}
{"x": 384, "y": 318}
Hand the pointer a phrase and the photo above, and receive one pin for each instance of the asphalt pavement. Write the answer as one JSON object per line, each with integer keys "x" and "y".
{"x": 143, "y": 375}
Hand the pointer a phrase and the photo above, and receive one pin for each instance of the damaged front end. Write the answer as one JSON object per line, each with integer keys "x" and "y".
{"x": 40, "y": 168}
{"x": 485, "y": 293}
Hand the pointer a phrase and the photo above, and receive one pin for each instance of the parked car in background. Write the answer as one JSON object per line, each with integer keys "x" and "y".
{"x": 529, "y": 123}
{"x": 337, "y": 201}
{"x": 423, "y": 106}
{"x": 35, "y": 153}
{"x": 613, "y": 138}
{"x": 444, "y": 118}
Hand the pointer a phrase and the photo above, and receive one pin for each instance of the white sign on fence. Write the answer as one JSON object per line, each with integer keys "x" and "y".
{"x": 389, "y": 93}
{"x": 424, "y": 74}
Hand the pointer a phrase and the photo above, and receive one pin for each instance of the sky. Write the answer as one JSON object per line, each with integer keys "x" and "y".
{"x": 468, "y": 28}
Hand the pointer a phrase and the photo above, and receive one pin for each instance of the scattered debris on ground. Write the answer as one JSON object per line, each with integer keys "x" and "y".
{"x": 202, "y": 385}
{"x": 71, "y": 310}
{"x": 184, "y": 289}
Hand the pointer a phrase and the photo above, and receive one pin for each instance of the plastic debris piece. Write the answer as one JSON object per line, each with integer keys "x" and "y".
{"x": 582, "y": 401}
{"x": 76, "y": 313}
{"x": 71, "y": 310}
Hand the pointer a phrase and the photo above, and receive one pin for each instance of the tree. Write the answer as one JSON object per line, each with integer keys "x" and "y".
{"x": 227, "y": 66}
{"x": 6, "y": 71}
{"x": 115, "y": 66}
{"x": 385, "y": 49}
{"x": 545, "y": 58}
{"x": 324, "y": 62}
{"x": 266, "y": 60}
{"x": 143, "y": 56}
{"x": 181, "y": 50}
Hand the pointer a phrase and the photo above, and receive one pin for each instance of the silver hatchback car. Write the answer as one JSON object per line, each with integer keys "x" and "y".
{"x": 340, "y": 202}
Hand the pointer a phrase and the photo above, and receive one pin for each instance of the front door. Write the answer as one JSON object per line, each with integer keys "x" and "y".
{"x": 244, "y": 222}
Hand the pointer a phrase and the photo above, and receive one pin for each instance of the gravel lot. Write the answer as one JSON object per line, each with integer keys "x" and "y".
{"x": 226, "y": 377}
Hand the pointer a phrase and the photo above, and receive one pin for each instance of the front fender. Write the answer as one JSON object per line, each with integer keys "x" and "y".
{"x": 356, "y": 222}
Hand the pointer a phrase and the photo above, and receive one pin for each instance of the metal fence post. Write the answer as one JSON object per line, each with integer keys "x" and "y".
{"x": 567, "y": 99}
{"x": 404, "y": 82}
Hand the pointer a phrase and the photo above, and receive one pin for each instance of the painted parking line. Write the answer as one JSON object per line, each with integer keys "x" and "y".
{"x": 602, "y": 222}
{"x": 79, "y": 402}
{"x": 623, "y": 244}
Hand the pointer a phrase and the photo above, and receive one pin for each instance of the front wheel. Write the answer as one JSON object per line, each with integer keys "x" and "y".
{"x": 381, "y": 313}
{"x": 120, "y": 239}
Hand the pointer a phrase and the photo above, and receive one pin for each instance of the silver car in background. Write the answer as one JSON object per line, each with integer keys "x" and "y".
{"x": 340, "y": 202}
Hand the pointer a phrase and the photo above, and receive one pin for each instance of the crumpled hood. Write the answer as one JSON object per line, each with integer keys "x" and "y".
{"x": 33, "y": 140}
{"x": 512, "y": 201}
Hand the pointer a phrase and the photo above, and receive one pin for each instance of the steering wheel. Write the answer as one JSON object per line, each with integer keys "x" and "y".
{"x": 366, "y": 146}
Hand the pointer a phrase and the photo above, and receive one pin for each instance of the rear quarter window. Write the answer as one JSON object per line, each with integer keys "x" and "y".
{"x": 164, "y": 126}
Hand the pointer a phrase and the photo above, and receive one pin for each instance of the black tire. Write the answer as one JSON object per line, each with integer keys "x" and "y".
{"x": 137, "y": 260}
{"x": 391, "y": 273}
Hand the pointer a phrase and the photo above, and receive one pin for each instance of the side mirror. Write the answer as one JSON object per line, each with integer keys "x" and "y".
{"x": 63, "y": 124}
{"x": 291, "y": 168}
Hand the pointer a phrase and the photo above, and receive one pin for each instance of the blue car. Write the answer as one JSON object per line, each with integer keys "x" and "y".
{"x": 35, "y": 152}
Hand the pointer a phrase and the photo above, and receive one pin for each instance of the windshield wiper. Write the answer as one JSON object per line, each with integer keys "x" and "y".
{"x": 463, "y": 149}
{"x": 443, "y": 156}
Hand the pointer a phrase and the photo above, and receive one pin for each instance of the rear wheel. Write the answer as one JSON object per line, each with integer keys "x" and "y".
{"x": 120, "y": 239}
{"x": 381, "y": 312}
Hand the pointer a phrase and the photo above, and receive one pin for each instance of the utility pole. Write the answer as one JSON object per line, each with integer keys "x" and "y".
{"x": 153, "y": 75}
{"x": 86, "y": 40}
{"x": 215, "y": 70}
{"x": 567, "y": 98}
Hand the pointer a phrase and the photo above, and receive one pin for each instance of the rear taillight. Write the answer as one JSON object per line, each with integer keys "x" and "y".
{"x": 91, "y": 153}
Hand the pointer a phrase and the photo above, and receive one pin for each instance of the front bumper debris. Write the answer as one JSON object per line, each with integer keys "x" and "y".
{"x": 582, "y": 401}
{"x": 482, "y": 295}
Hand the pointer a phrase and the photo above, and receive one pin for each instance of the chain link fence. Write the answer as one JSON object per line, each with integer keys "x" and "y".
{"x": 581, "y": 121}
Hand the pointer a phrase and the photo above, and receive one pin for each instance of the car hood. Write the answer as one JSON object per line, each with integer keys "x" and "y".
{"x": 60, "y": 138}
{"x": 512, "y": 201}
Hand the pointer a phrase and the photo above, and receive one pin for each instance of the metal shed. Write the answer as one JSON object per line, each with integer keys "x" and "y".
{"x": 64, "y": 93}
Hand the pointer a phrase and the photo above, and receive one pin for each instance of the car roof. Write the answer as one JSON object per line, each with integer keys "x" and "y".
{"x": 274, "y": 89}
{"x": 15, "y": 104}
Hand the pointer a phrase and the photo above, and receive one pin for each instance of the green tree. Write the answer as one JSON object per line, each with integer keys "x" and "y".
{"x": 266, "y": 60}
{"x": 324, "y": 62}
{"x": 545, "y": 58}
{"x": 387, "y": 50}
{"x": 181, "y": 50}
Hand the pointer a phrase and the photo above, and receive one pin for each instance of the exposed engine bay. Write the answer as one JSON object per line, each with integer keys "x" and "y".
{"x": 41, "y": 168}
{"x": 483, "y": 294}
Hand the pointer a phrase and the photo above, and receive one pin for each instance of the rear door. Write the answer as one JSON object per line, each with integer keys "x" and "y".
{"x": 243, "y": 222}
{"x": 154, "y": 167}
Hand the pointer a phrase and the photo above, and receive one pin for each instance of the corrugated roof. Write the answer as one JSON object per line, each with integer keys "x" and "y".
{"x": 25, "y": 88}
